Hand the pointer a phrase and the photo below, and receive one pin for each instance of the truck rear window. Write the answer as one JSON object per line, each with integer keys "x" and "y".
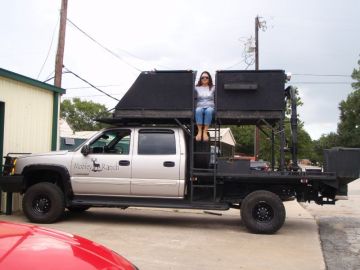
{"x": 156, "y": 142}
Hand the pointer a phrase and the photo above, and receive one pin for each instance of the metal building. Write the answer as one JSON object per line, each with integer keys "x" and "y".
{"x": 29, "y": 113}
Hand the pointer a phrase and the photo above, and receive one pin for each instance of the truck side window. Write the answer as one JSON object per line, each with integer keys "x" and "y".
{"x": 156, "y": 142}
{"x": 112, "y": 142}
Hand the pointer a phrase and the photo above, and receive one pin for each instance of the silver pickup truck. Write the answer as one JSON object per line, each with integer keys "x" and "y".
{"x": 124, "y": 162}
{"x": 151, "y": 158}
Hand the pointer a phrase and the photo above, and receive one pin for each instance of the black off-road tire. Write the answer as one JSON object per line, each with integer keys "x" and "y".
{"x": 263, "y": 212}
{"x": 43, "y": 203}
{"x": 78, "y": 208}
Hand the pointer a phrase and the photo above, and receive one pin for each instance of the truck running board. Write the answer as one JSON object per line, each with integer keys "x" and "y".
{"x": 100, "y": 201}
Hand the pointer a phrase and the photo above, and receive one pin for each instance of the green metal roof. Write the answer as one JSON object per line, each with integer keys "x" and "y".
{"x": 21, "y": 78}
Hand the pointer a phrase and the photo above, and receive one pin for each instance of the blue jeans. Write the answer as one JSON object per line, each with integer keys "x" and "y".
{"x": 207, "y": 117}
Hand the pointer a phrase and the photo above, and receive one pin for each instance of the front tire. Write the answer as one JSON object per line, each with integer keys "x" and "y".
{"x": 43, "y": 203}
{"x": 263, "y": 212}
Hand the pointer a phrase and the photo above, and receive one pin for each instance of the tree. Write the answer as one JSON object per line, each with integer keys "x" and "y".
{"x": 81, "y": 115}
{"x": 349, "y": 125}
{"x": 356, "y": 76}
{"x": 304, "y": 146}
{"x": 325, "y": 142}
{"x": 244, "y": 136}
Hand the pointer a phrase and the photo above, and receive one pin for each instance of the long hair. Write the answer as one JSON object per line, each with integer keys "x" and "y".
{"x": 199, "y": 83}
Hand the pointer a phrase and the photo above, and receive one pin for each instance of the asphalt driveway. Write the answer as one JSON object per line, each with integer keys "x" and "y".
{"x": 340, "y": 230}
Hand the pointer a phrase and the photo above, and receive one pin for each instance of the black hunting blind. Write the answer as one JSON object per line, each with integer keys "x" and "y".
{"x": 243, "y": 97}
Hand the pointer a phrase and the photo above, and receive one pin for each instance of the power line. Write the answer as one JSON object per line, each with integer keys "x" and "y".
{"x": 237, "y": 63}
{"x": 49, "y": 77}
{"x": 48, "y": 53}
{"x": 93, "y": 86}
{"x": 321, "y": 75}
{"x": 102, "y": 46}
{"x": 86, "y": 34}
{"x": 321, "y": 82}
{"x": 117, "y": 56}
{"x": 86, "y": 87}
{"x": 100, "y": 95}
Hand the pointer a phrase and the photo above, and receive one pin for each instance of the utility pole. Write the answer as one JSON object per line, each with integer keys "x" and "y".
{"x": 257, "y": 26}
{"x": 61, "y": 44}
{"x": 257, "y": 131}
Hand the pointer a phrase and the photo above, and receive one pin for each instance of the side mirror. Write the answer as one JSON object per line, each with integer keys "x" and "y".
{"x": 85, "y": 150}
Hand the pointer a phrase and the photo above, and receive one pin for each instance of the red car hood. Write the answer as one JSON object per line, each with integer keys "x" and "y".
{"x": 31, "y": 247}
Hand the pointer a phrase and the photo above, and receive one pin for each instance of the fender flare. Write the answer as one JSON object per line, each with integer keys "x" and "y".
{"x": 61, "y": 170}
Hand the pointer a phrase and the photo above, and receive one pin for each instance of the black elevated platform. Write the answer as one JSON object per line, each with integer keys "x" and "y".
{"x": 167, "y": 97}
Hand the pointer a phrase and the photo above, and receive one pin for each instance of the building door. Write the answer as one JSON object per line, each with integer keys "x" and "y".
{"x": 2, "y": 124}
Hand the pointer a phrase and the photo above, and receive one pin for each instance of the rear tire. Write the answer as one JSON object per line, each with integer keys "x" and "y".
{"x": 263, "y": 212}
{"x": 43, "y": 203}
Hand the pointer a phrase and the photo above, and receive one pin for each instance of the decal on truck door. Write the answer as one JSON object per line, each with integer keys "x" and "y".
{"x": 96, "y": 167}
{"x": 107, "y": 167}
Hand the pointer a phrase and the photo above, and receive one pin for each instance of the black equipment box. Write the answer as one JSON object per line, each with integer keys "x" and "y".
{"x": 245, "y": 90}
{"x": 345, "y": 162}
{"x": 238, "y": 166}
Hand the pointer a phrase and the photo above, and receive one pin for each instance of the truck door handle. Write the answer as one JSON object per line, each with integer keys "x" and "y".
{"x": 169, "y": 164}
{"x": 124, "y": 163}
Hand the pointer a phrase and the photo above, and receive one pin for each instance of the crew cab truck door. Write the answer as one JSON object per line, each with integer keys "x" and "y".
{"x": 106, "y": 168}
{"x": 156, "y": 163}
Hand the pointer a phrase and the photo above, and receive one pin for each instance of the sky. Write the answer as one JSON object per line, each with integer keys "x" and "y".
{"x": 317, "y": 41}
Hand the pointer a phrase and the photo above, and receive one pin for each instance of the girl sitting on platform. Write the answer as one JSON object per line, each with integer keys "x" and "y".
{"x": 205, "y": 91}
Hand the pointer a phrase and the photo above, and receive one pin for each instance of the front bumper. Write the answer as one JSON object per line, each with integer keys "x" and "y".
{"x": 12, "y": 183}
